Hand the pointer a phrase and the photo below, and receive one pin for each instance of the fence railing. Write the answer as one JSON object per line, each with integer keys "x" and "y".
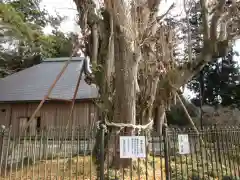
{"x": 61, "y": 153}
{"x": 213, "y": 154}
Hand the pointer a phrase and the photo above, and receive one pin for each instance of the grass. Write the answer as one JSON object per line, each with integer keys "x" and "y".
{"x": 193, "y": 167}
{"x": 83, "y": 169}
{"x": 77, "y": 167}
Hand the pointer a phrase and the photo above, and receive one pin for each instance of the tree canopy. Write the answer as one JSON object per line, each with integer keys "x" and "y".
{"x": 220, "y": 81}
{"x": 23, "y": 42}
{"x": 217, "y": 82}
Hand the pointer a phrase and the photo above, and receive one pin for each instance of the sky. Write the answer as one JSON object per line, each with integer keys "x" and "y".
{"x": 64, "y": 8}
{"x": 67, "y": 8}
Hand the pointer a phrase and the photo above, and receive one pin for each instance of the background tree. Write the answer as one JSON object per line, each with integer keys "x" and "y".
{"x": 177, "y": 116}
{"x": 23, "y": 42}
{"x": 218, "y": 79}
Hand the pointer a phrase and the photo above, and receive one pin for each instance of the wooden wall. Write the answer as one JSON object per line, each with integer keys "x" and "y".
{"x": 51, "y": 115}
{"x": 5, "y": 114}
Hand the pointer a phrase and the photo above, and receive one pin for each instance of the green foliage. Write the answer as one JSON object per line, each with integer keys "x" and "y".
{"x": 218, "y": 81}
{"x": 177, "y": 115}
{"x": 12, "y": 23}
{"x": 22, "y": 23}
{"x": 31, "y": 12}
{"x": 57, "y": 44}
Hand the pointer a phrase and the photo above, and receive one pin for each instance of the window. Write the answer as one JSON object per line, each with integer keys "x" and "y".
{"x": 38, "y": 127}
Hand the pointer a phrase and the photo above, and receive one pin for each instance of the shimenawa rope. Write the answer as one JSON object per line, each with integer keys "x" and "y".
{"x": 123, "y": 125}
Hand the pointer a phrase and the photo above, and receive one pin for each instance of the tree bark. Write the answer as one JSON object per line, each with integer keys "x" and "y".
{"x": 125, "y": 30}
{"x": 125, "y": 95}
{"x": 160, "y": 118}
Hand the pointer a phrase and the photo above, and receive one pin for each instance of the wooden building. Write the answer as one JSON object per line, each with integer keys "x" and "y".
{"x": 21, "y": 92}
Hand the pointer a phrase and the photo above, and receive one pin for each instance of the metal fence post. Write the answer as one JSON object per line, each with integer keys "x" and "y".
{"x": 45, "y": 145}
{"x": 1, "y": 141}
{"x": 166, "y": 152}
{"x": 102, "y": 129}
{"x": 1, "y": 148}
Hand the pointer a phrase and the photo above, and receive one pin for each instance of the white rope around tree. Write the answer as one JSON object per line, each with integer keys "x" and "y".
{"x": 138, "y": 126}
{"x": 124, "y": 125}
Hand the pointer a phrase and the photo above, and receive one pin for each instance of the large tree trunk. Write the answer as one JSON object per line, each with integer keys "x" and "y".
{"x": 126, "y": 73}
{"x": 125, "y": 92}
{"x": 129, "y": 30}
{"x": 126, "y": 32}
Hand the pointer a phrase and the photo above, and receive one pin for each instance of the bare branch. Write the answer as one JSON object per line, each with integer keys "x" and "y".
{"x": 188, "y": 73}
{"x": 110, "y": 61}
{"x": 159, "y": 18}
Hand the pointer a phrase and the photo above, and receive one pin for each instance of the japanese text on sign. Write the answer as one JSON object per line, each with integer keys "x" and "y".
{"x": 183, "y": 144}
{"x": 132, "y": 147}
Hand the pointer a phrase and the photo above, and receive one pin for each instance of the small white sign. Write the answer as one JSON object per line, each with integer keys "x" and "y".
{"x": 183, "y": 144}
{"x": 132, "y": 147}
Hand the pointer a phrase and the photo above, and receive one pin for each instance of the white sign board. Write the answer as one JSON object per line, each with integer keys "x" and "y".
{"x": 132, "y": 147}
{"x": 183, "y": 144}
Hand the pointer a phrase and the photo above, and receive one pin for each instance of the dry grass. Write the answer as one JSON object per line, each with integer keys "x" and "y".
{"x": 82, "y": 168}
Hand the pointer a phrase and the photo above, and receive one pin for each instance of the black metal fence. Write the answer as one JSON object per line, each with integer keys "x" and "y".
{"x": 181, "y": 154}
{"x": 213, "y": 154}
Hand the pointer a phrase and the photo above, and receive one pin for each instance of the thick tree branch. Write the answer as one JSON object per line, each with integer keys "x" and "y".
{"x": 120, "y": 18}
{"x": 189, "y": 34}
{"x": 224, "y": 22}
{"x": 153, "y": 4}
{"x": 95, "y": 38}
{"x": 188, "y": 73}
{"x": 159, "y": 18}
{"x": 215, "y": 19}
{"x": 208, "y": 50}
{"x": 205, "y": 19}
{"x": 110, "y": 61}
